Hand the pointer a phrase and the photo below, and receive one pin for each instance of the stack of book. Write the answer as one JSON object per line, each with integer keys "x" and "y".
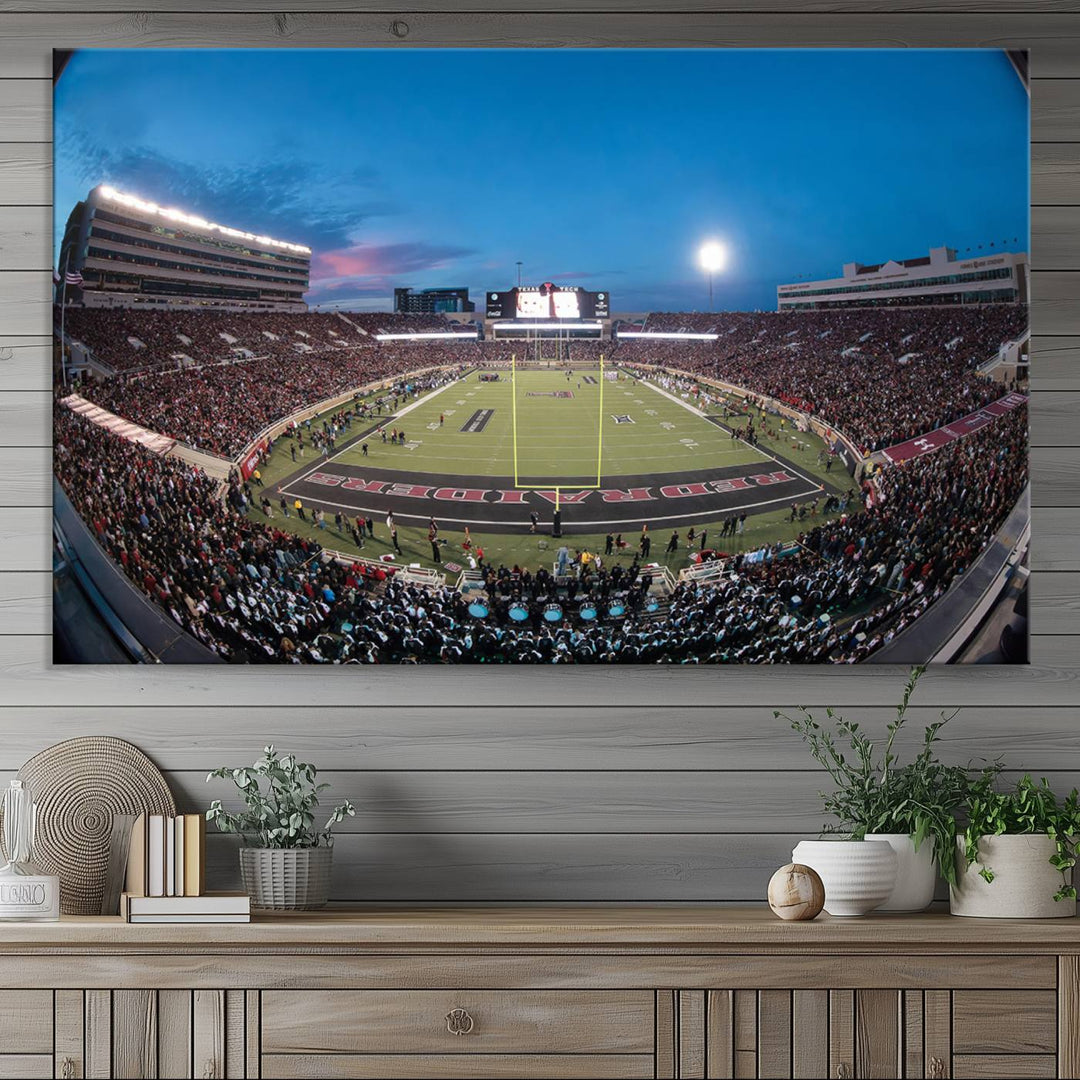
{"x": 166, "y": 875}
{"x": 208, "y": 908}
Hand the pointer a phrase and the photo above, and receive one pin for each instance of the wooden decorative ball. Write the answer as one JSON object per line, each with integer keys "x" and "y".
{"x": 796, "y": 893}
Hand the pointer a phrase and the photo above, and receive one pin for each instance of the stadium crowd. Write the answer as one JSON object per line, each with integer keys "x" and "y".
{"x": 134, "y": 340}
{"x": 400, "y": 322}
{"x": 222, "y": 407}
{"x": 213, "y": 380}
{"x": 253, "y": 593}
{"x": 879, "y": 375}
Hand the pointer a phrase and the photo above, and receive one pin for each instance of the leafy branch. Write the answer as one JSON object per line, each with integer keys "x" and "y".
{"x": 1029, "y": 808}
{"x": 873, "y": 792}
{"x": 280, "y": 796}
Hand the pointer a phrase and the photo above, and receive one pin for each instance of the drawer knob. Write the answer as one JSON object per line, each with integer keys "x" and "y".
{"x": 67, "y": 1069}
{"x": 459, "y": 1022}
{"x": 937, "y": 1069}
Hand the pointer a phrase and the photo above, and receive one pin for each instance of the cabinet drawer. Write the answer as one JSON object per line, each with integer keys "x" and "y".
{"x": 26, "y": 1022}
{"x": 459, "y": 1066}
{"x": 1004, "y": 1022}
{"x": 26, "y": 1066}
{"x": 457, "y": 1021}
{"x": 1004, "y": 1066}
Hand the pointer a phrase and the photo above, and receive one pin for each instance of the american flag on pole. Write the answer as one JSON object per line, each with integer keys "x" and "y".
{"x": 72, "y": 277}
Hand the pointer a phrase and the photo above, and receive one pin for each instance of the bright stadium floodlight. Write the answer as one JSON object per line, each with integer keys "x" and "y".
{"x": 713, "y": 257}
{"x": 170, "y": 212}
{"x": 428, "y": 335}
{"x": 667, "y": 335}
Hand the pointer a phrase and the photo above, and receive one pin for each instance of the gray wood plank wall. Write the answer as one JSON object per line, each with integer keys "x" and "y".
{"x": 525, "y": 785}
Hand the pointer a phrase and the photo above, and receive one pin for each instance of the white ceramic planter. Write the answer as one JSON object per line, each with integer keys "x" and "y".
{"x": 1024, "y": 881}
{"x": 858, "y": 875}
{"x": 916, "y": 872}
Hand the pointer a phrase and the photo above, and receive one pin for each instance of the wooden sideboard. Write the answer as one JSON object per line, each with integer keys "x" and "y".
{"x": 552, "y": 993}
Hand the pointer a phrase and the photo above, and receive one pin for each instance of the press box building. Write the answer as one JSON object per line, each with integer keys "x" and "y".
{"x": 938, "y": 278}
{"x": 134, "y": 253}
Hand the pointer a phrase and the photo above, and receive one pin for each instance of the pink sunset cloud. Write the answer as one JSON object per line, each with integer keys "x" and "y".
{"x": 373, "y": 260}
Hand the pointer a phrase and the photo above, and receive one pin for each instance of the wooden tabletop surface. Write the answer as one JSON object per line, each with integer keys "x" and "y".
{"x": 705, "y": 928}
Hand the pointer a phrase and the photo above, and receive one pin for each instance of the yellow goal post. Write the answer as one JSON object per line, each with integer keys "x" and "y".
{"x": 557, "y": 488}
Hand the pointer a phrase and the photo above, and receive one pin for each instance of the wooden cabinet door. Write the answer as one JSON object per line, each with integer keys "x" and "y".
{"x": 871, "y": 1034}
{"x": 26, "y": 1022}
{"x": 985, "y": 1033}
{"x": 803, "y": 1034}
{"x": 219, "y": 1034}
{"x": 778, "y": 1033}
{"x": 783, "y": 1034}
{"x": 82, "y": 1047}
{"x": 153, "y": 1035}
{"x": 765, "y": 1033}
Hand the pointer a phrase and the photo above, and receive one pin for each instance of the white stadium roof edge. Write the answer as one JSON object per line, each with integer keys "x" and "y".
{"x": 172, "y": 214}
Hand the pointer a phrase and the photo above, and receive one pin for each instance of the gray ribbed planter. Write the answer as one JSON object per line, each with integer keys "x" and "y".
{"x": 287, "y": 879}
{"x": 1024, "y": 881}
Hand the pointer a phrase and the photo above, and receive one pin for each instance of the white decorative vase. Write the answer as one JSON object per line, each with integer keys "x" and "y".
{"x": 286, "y": 879}
{"x": 916, "y": 872}
{"x": 858, "y": 875}
{"x": 1024, "y": 881}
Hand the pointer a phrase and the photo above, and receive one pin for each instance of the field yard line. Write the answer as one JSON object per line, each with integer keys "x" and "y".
{"x": 764, "y": 453}
{"x": 404, "y": 412}
{"x": 695, "y": 411}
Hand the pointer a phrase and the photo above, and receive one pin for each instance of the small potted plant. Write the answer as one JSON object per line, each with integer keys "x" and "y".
{"x": 909, "y": 807}
{"x": 1017, "y": 852}
{"x": 285, "y": 859}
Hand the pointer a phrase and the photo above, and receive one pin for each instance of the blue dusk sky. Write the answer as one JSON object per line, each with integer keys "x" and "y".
{"x": 602, "y": 168}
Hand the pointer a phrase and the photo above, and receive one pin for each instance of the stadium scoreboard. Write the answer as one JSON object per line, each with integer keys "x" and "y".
{"x": 548, "y": 301}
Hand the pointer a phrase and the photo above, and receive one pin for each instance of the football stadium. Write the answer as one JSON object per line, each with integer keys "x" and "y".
{"x": 552, "y": 480}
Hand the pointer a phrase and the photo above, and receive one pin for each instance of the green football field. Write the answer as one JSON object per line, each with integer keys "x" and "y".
{"x": 630, "y": 427}
{"x": 536, "y": 550}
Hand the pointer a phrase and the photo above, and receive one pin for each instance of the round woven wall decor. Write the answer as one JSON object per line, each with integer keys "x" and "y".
{"x": 78, "y": 785}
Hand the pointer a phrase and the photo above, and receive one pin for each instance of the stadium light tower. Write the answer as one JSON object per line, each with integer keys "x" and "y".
{"x": 713, "y": 257}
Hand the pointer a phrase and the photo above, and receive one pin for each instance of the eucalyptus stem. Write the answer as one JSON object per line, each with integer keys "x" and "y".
{"x": 280, "y": 795}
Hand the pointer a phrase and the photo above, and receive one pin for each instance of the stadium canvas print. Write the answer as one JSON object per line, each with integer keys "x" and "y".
{"x": 541, "y": 356}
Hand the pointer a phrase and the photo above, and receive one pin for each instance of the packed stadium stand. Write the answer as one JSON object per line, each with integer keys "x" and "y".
{"x": 210, "y": 557}
{"x": 252, "y": 592}
{"x": 221, "y": 408}
{"x": 398, "y": 322}
{"x": 129, "y": 340}
{"x": 879, "y": 376}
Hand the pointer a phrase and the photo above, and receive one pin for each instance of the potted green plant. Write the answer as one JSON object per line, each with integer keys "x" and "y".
{"x": 1016, "y": 852}
{"x": 911, "y": 807}
{"x": 285, "y": 859}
